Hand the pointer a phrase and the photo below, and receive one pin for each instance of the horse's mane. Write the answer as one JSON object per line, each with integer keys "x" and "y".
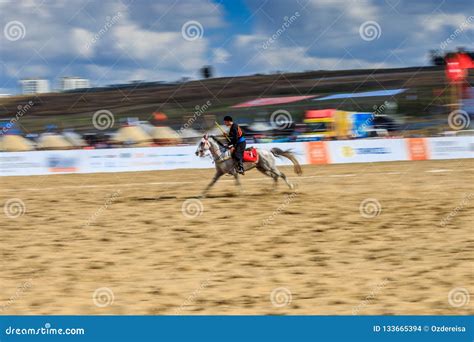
{"x": 217, "y": 141}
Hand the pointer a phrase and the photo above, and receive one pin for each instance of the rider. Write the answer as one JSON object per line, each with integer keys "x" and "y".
{"x": 236, "y": 142}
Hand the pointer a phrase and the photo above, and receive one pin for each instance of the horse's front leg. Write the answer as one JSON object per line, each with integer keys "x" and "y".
{"x": 217, "y": 175}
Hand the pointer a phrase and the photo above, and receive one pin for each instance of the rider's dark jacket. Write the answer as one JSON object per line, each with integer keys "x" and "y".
{"x": 235, "y": 135}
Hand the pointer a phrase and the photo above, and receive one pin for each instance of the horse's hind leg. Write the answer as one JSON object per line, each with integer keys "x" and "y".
{"x": 271, "y": 174}
{"x": 269, "y": 168}
{"x": 282, "y": 175}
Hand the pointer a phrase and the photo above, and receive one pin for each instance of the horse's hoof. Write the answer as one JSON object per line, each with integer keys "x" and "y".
{"x": 292, "y": 186}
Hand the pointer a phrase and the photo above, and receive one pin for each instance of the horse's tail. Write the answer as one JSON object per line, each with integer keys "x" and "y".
{"x": 278, "y": 152}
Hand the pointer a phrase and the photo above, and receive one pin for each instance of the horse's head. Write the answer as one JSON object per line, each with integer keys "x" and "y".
{"x": 203, "y": 146}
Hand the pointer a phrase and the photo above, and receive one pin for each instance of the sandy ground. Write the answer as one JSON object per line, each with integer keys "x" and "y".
{"x": 128, "y": 244}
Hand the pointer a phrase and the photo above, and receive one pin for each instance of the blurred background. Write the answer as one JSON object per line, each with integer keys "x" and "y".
{"x": 123, "y": 73}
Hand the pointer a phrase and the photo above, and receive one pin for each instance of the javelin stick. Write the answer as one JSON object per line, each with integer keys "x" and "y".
{"x": 222, "y": 130}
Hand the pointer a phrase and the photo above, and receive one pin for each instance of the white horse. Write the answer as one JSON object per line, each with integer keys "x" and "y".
{"x": 225, "y": 164}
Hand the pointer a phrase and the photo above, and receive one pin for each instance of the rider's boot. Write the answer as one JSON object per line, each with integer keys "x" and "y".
{"x": 240, "y": 168}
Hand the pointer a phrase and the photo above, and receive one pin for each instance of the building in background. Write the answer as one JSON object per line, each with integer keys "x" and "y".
{"x": 34, "y": 86}
{"x": 70, "y": 83}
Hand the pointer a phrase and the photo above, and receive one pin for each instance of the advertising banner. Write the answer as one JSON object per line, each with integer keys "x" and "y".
{"x": 366, "y": 151}
{"x": 119, "y": 160}
{"x": 451, "y": 148}
{"x": 317, "y": 152}
{"x": 183, "y": 157}
{"x": 417, "y": 148}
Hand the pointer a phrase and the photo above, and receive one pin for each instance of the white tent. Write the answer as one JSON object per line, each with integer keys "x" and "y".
{"x": 147, "y": 127}
{"x": 74, "y": 138}
{"x": 260, "y": 127}
{"x": 216, "y": 131}
{"x": 189, "y": 133}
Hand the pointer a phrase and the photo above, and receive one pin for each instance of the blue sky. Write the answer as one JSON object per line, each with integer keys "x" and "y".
{"x": 120, "y": 41}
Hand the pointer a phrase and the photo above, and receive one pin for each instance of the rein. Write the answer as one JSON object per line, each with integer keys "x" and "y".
{"x": 218, "y": 154}
{"x": 217, "y": 141}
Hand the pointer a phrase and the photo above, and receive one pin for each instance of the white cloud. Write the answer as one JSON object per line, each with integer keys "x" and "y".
{"x": 18, "y": 71}
{"x": 208, "y": 13}
{"x": 243, "y": 40}
{"x": 146, "y": 42}
{"x": 115, "y": 75}
{"x": 66, "y": 38}
{"x": 297, "y": 58}
{"x": 82, "y": 42}
{"x": 160, "y": 49}
{"x": 292, "y": 58}
{"x": 359, "y": 10}
{"x": 220, "y": 56}
{"x": 439, "y": 21}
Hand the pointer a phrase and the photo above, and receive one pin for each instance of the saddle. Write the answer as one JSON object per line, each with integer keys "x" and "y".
{"x": 250, "y": 155}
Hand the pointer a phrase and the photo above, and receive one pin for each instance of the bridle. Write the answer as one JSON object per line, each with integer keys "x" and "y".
{"x": 217, "y": 154}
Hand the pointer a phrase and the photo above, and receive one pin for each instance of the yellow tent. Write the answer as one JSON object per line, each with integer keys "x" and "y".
{"x": 52, "y": 141}
{"x": 132, "y": 135}
{"x": 165, "y": 134}
{"x": 15, "y": 143}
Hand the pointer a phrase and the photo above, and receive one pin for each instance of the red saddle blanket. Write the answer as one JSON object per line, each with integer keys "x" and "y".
{"x": 251, "y": 155}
